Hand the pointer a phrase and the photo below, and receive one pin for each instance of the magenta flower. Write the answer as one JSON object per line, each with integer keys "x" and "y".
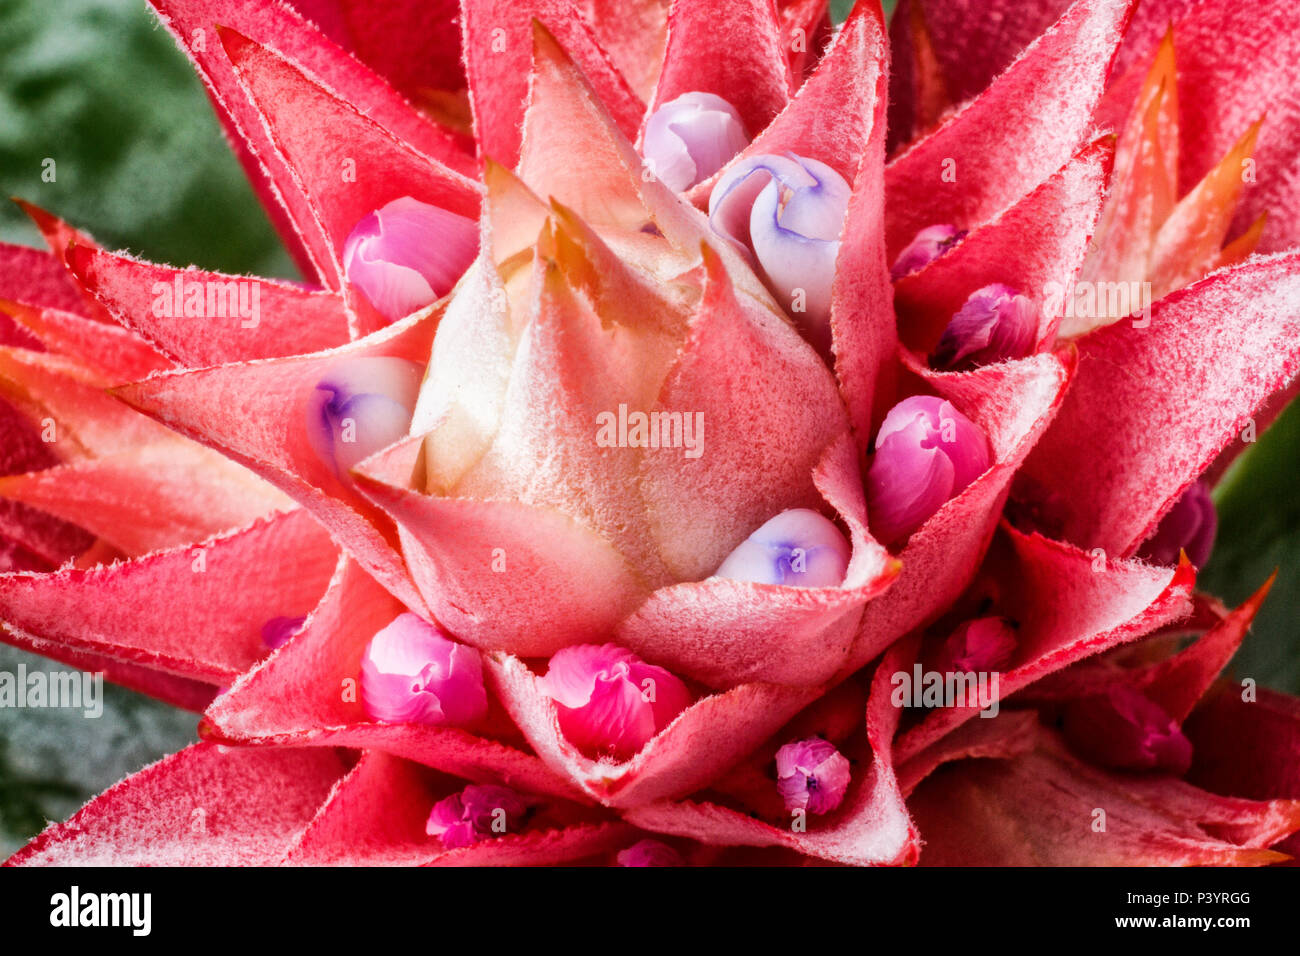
{"x": 930, "y": 243}
{"x": 1188, "y": 526}
{"x": 477, "y": 813}
{"x": 650, "y": 853}
{"x": 536, "y": 443}
{"x": 1126, "y": 730}
{"x": 980, "y": 645}
{"x": 812, "y": 775}
{"x": 610, "y": 701}
{"x": 412, "y": 672}
{"x": 407, "y": 254}
{"x": 995, "y": 324}
{"x": 690, "y": 138}
{"x": 926, "y": 453}
{"x": 277, "y": 630}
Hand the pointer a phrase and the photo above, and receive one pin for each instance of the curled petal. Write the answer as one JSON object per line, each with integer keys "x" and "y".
{"x": 812, "y": 775}
{"x": 1189, "y": 526}
{"x": 690, "y": 138}
{"x": 995, "y": 324}
{"x": 411, "y": 672}
{"x": 797, "y": 548}
{"x": 407, "y": 254}
{"x": 360, "y": 406}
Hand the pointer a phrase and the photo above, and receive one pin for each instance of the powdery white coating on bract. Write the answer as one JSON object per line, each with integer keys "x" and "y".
{"x": 812, "y": 775}
{"x": 413, "y": 673}
{"x": 797, "y": 548}
{"x": 690, "y": 138}
{"x": 926, "y": 453}
{"x": 408, "y": 254}
{"x": 788, "y": 211}
{"x": 360, "y": 406}
{"x": 609, "y": 701}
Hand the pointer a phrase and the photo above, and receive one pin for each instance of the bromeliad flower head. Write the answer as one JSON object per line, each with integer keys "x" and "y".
{"x": 644, "y": 476}
{"x": 413, "y": 673}
{"x": 1189, "y": 526}
{"x": 926, "y": 453}
{"x": 930, "y": 243}
{"x": 1127, "y": 730}
{"x": 609, "y": 701}
{"x": 995, "y": 324}
{"x": 359, "y": 406}
{"x": 407, "y": 254}
{"x": 797, "y": 548}
{"x": 479, "y": 812}
{"x": 690, "y": 138}
{"x": 789, "y": 212}
{"x": 812, "y": 775}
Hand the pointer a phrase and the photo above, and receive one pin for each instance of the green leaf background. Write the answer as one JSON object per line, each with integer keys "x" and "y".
{"x": 141, "y": 163}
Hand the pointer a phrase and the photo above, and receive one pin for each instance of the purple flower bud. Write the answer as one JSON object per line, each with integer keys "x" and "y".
{"x": 789, "y": 210}
{"x": 926, "y": 453}
{"x": 929, "y": 244}
{"x": 609, "y": 701}
{"x": 413, "y": 673}
{"x": 650, "y": 853}
{"x": 980, "y": 646}
{"x": 408, "y": 254}
{"x": 479, "y": 812}
{"x": 277, "y": 631}
{"x": 690, "y": 138}
{"x": 1188, "y": 526}
{"x": 995, "y": 324}
{"x": 798, "y": 548}
{"x": 1124, "y": 729}
{"x": 361, "y": 406}
{"x": 811, "y": 775}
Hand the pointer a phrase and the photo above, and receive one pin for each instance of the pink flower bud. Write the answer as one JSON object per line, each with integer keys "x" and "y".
{"x": 811, "y": 775}
{"x": 361, "y": 406}
{"x": 798, "y": 548}
{"x": 413, "y": 673}
{"x": 479, "y": 812}
{"x": 650, "y": 853}
{"x": 1188, "y": 526}
{"x": 789, "y": 210}
{"x": 408, "y": 254}
{"x": 929, "y": 244}
{"x": 609, "y": 701}
{"x": 926, "y": 453}
{"x": 277, "y": 631}
{"x": 690, "y": 138}
{"x": 1128, "y": 731}
{"x": 995, "y": 324}
{"x": 980, "y": 646}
